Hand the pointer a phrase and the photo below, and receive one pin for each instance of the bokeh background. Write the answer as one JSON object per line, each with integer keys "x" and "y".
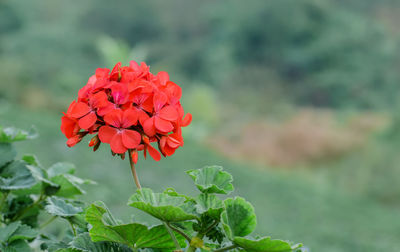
{"x": 299, "y": 99}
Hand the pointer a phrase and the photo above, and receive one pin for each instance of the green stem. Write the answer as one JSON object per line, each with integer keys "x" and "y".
{"x": 72, "y": 226}
{"x": 48, "y": 222}
{"x": 133, "y": 169}
{"x": 180, "y": 232}
{"x": 5, "y": 195}
{"x": 193, "y": 248}
{"x": 210, "y": 227}
{"x": 226, "y": 248}
{"x": 21, "y": 214}
{"x": 171, "y": 233}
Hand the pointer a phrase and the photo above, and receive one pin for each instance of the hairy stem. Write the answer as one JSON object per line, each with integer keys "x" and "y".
{"x": 133, "y": 169}
{"x": 171, "y": 233}
{"x": 180, "y": 232}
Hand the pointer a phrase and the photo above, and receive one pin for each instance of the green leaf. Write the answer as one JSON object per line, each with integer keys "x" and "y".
{"x": 7, "y": 153}
{"x": 265, "y": 244}
{"x": 211, "y": 179}
{"x": 23, "y": 232}
{"x": 83, "y": 243}
{"x": 11, "y": 134}
{"x": 41, "y": 175}
{"x": 134, "y": 235}
{"x": 163, "y": 206}
{"x": 70, "y": 185}
{"x": 31, "y": 159}
{"x": 239, "y": 218}
{"x": 59, "y": 207}
{"x": 209, "y": 204}
{"x": 18, "y": 246}
{"x": 61, "y": 168}
{"x": 16, "y": 176}
{"x": 7, "y": 231}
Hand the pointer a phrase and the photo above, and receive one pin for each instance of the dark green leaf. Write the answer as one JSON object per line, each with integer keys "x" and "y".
{"x": 212, "y": 179}
{"x": 59, "y": 207}
{"x": 239, "y": 218}
{"x": 163, "y": 206}
{"x": 70, "y": 185}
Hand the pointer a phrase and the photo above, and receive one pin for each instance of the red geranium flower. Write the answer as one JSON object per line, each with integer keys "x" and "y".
{"x": 129, "y": 108}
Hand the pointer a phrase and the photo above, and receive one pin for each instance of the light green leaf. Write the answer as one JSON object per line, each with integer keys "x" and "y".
{"x": 18, "y": 246}
{"x": 7, "y": 231}
{"x": 239, "y": 218}
{"x": 70, "y": 185}
{"x": 265, "y": 244}
{"x": 23, "y": 232}
{"x": 59, "y": 207}
{"x": 16, "y": 176}
{"x": 134, "y": 235}
{"x": 7, "y": 153}
{"x": 61, "y": 168}
{"x": 163, "y": 206}
{"x": 31, "y": 160}
{"x": 210, "y": 204}
{"x": 212, "y": 179}
{"x": 11, "y": 134}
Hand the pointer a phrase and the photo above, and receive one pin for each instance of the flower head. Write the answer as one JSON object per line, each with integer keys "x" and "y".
{"x": 128, "y": 108}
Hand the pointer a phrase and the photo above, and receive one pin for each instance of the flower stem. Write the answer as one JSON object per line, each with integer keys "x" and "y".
{"x": 171, "y": 233}
{"x": 133, "y": 169}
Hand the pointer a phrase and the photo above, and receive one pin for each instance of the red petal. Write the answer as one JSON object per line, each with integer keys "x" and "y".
{"x": 143, "y": 116}
{"x": 116, "y": 144}
{"x": 186, "y": 120}
{"x": 120, "y": 93}
{"x": 154, "y": 153}
{"x": 69, "y": 127}
{"x": 149, "y": 128}
{"x": 102, "y": 72}
{"x": 114, "y": 118}
{"x": 106, "y": 109}
{"x": 88, "y": 121}
{"x": 99, "y": 99}
{"x": 106, "y": 134}
{"x": 173, "y": 143}
{"x": 79, "y": 109}
{"x": 131, "y": 139}
{"x": 129, "y": 118}
{"x": 159, "y": 100}
{"x": 169, "y": 113}
{"x": 163, "y": 77}
{"x": 163, "y": 125}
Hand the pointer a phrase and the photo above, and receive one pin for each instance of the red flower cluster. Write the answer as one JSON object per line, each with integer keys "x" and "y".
{"x": 129, "y": 109}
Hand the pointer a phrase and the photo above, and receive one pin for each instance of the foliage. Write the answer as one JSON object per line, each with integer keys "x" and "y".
{"x": 202, "y": 222}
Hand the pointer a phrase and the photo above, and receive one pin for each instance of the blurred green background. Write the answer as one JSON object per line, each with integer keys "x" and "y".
{"x": 297, "y": 98}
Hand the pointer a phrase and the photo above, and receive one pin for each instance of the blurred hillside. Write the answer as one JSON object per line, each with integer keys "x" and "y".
{"x": 303, "y": 93}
